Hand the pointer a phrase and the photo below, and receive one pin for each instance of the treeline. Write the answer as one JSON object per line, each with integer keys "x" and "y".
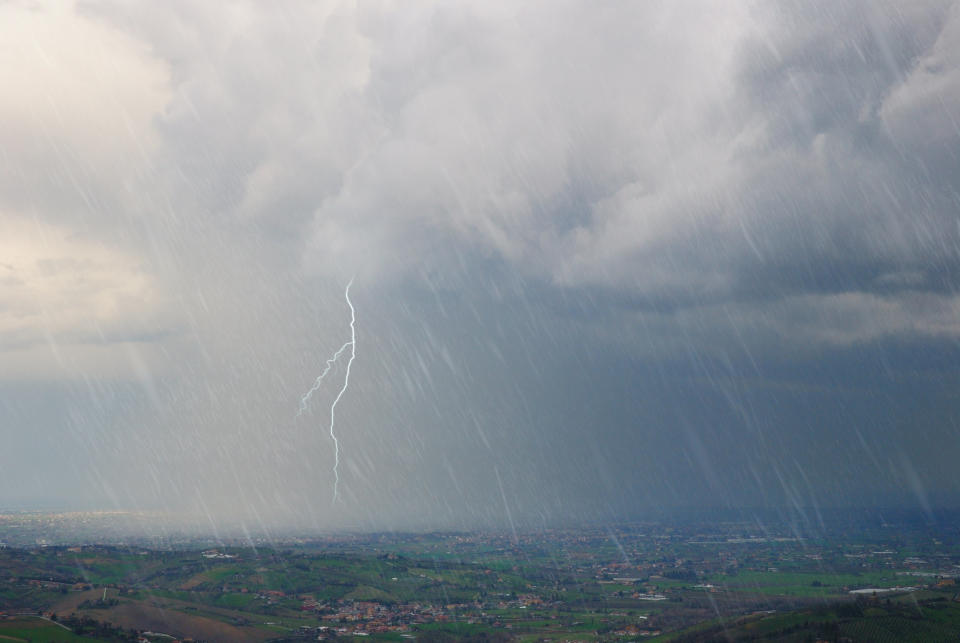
{"x": 86, "y": 626}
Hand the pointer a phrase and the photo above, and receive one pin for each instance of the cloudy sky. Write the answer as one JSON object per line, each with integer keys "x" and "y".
{"x": 607, "y": 258}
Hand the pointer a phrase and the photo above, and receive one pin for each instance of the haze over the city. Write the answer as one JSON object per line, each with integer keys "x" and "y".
{"x": 607, "y": 259}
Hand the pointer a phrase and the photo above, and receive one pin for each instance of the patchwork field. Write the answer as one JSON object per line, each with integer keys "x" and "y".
{"x": 644, "y": 583}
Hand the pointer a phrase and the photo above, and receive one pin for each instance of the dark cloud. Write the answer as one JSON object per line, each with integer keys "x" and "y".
{"x": 610, "y": 256}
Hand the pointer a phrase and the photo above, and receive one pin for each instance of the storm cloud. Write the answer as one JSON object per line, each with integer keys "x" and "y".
{"x": 621, "y": 256}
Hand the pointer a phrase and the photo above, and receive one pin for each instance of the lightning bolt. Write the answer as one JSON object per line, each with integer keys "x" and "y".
{"x": 352, "y": 345}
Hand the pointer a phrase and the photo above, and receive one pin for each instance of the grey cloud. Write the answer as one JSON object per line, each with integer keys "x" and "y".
{"x": 771, "y": 158}
{"x": 619, "y": 254}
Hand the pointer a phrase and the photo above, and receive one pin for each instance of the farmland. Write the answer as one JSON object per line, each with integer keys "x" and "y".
{"x": 670, "y": 581}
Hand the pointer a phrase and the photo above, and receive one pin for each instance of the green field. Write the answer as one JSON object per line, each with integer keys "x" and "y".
{"x": 929, "y": 618}
{"x": 813, "y": 584}
{"x": 36, "y": 630}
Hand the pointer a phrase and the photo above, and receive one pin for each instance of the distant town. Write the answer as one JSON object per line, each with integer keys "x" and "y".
{"x": 678, "y": 580}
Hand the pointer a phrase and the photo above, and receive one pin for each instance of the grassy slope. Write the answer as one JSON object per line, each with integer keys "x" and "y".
{"x": 37, "y": 630}
{"x": 925, "y": 619}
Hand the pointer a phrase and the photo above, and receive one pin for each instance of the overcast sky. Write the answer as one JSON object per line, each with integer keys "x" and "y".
{"x": 608, "y": 257}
